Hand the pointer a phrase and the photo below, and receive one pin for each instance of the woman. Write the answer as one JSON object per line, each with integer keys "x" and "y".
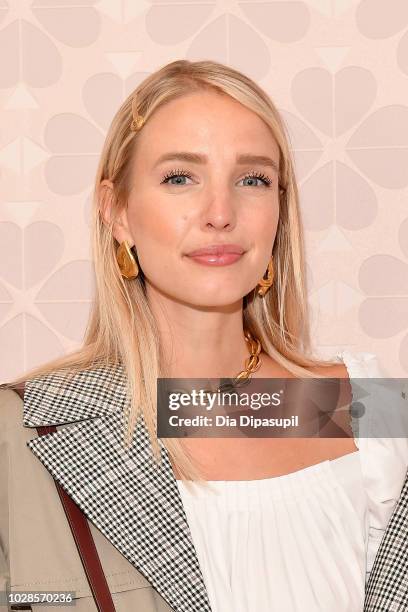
{"x": 198, "y": 250}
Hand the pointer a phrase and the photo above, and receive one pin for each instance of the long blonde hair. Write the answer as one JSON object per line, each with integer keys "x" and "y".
{"x": 121, "y": 329}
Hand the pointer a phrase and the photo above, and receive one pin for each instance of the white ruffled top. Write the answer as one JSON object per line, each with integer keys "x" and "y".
{"x": 305, "y": 540}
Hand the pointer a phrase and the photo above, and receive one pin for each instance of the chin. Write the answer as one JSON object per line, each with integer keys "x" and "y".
{"x": 214, "y": 299}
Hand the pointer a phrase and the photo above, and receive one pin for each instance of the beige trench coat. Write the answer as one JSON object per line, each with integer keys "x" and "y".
{"x": 134, "y": 511}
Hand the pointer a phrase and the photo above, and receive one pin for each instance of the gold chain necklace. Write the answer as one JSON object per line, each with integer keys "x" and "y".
{"x": 252, "y": 364}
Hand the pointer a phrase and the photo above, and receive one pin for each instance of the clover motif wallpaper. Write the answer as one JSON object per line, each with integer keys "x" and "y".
{"x": 336, "y": 69}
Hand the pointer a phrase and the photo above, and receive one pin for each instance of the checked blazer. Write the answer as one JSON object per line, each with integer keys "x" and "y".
{"x": 387, "y": 588}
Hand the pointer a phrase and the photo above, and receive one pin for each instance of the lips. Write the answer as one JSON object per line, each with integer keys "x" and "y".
{"x": 217, "y": 250}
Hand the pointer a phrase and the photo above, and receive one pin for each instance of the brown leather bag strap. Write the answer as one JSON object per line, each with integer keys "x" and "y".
{"x": 83, "y": 538}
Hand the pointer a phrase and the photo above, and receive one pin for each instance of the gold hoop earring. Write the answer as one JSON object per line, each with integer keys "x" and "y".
{"x": 126, "y": 261}
{"x": 265, "y": 283}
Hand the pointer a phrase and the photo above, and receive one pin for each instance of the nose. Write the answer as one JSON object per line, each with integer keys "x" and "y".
{"x": 219, "y": 211}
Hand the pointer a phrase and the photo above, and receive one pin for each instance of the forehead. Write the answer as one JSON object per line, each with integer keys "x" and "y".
{"x": 208, "y": 122}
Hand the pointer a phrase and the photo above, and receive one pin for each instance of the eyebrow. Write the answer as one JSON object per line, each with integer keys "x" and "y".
{"x": 198, "y": 158}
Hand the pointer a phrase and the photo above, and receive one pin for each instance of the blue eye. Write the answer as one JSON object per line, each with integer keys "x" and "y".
{"x": 176, "y": 174}
{"x": 258, "y": 176}
{"x": 180, "y": 174}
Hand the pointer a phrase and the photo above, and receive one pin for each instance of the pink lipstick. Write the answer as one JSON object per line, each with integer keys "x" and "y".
{"x": 217, "y": 254}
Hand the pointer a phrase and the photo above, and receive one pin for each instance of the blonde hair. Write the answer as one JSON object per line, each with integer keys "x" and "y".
{"x": 121, "y": 328}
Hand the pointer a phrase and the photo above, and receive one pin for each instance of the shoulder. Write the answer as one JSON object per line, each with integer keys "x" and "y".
{"x": 335, "y": 370}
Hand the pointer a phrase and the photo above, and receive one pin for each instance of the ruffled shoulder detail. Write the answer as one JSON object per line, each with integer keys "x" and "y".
{"x": 384, "y": 460}
{"x": 361, "y": 364}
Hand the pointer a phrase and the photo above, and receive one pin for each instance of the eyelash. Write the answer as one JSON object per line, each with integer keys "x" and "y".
{"x": 266, "y": 180}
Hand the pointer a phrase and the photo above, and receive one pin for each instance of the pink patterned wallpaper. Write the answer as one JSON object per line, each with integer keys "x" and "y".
{"x": 337, "y": 71}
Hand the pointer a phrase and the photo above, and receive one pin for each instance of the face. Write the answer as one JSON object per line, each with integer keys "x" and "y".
{"x": 217, "y": 197}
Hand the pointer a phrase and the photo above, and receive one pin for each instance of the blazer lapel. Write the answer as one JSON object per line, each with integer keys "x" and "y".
{"x": 134, "y": 502}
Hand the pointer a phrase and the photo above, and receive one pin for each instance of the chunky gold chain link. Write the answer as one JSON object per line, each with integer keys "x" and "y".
{"x": 252, "y": 364}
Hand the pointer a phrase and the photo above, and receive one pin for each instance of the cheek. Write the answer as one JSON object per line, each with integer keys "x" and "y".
{"x": 263, "y": 226}
{"x": 156, "y": 229}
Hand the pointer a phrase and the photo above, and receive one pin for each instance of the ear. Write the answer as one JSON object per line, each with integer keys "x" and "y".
{"x": 108, "y": 210}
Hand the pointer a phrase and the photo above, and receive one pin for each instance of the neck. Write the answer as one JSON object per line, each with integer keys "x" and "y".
{"x": 199, "y": 342}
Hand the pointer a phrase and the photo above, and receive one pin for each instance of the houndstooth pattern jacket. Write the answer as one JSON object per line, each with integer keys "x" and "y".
{"x": 137, "y": 505}
{"x": 387, "y": 587}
